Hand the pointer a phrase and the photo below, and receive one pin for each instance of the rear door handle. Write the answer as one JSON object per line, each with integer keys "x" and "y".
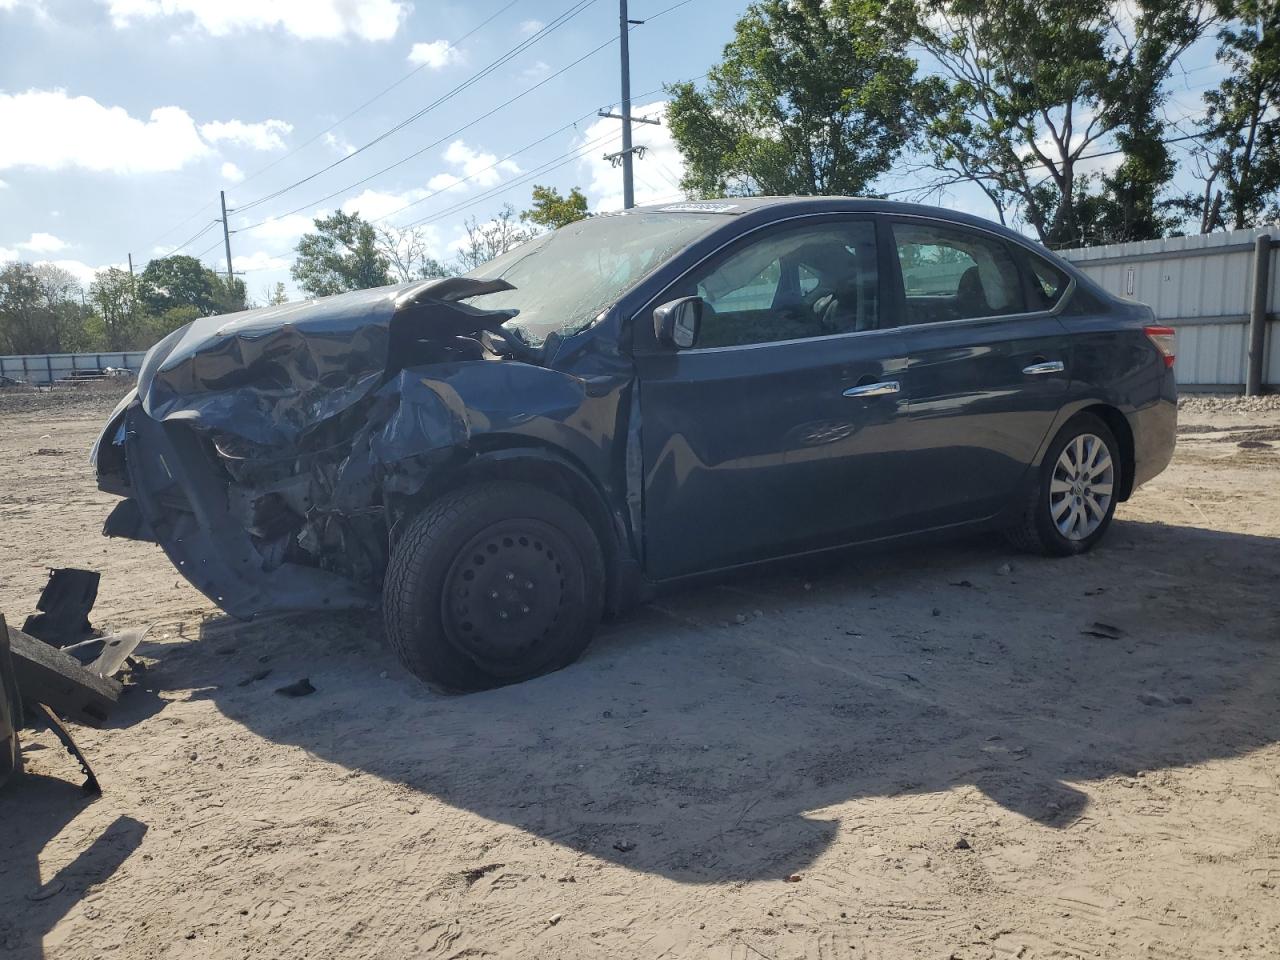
{"x": 879, "y": 389}
{"x": 1049, "y": 366}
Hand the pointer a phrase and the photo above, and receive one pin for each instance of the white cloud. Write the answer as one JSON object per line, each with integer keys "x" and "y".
{"x": 535, "y": 71}
{"x": 445, "y": 181}
{"x": 231, "y": 173}
{"x": 339, "y": 144}
{"x": 483, "y": 169}
{"x": 42, "y": 243}
{"x": 283, "y": 231}
{"x": 475, "y": 168}
{"x": 35, "y": 6}
{"x": 52, "y": 131}
{"x": 435, "y": 54}
{"x": 259, "y": 260}
{"x": 83, "y": 272}
{"x": 306, "y": 19}
{"x": 266, "y": 135}
{"x": 8, "y": 254}
{"x": 657, "y": 174}
{"x": 3, "y": 185}
{"x": 375, "y": 204}
{"x": 531, "y": 26}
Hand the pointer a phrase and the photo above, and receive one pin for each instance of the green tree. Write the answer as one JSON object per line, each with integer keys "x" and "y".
{"x": 121, "y": 323}
{"x": 177, "y": 281}
{"x": 1240, "y": 156}
{"x": 1027, "y": 89}
{"x": 40, "y": 310}
{"x": 552, "y": 210}
{"x": 227, "y": 294}
{"x": 276, "y": 295}
{"x": 811, "y": 98}
{"x": 342, "y": 254}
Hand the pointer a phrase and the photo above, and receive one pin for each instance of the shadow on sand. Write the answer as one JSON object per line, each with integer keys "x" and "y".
{"x": 712, "y": 728}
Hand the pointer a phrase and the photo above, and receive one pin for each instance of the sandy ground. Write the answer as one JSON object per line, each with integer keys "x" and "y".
{"x": 918, "y": 754}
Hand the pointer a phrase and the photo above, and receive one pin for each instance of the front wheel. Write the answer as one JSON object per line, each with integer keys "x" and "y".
{"x": 1074, "y": 498}
{"x": 493, "y": 584}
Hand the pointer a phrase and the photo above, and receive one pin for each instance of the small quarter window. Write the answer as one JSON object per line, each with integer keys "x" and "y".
{"x": 1048, "y": 283}
{"x": 952, "y": 274}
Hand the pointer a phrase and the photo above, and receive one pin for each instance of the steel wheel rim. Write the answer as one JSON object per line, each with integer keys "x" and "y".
{"x": 504, "y": 593}
{"x": 1081, "y": 487}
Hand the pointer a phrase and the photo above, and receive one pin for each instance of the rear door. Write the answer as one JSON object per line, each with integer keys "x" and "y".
{"x": 775, "y": 433}
{"x": 986, "y": 370}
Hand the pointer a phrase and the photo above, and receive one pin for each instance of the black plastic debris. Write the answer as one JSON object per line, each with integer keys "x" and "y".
{"x": 64, "y": 607}
{"x": 302, "y": 688}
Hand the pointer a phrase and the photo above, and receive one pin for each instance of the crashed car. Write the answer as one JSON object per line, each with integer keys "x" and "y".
{"x": 631, "y": 401}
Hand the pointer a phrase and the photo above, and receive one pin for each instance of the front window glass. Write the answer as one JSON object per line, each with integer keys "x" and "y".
{"x": 950, "y": 274}
{"x": 564, "y": 279}
{"x": 792, "y": 283}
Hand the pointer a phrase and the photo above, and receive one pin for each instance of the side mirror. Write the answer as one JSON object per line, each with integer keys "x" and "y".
{"x": 676, "y": 324}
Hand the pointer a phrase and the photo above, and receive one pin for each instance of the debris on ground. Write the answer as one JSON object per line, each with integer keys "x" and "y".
{"x": 64, "y": 607}
{"x": 301, "y": 688}
{"x": 1103, "y": 631}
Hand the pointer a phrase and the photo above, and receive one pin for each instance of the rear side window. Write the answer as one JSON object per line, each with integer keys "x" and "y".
{"x": 954, "y": 274}
{"x": 1048, "y": 283}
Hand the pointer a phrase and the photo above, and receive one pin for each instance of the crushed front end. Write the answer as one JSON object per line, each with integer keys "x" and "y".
{"x": 260, "y": 450}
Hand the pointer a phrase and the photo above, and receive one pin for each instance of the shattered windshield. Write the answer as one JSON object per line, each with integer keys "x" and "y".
{"x": 564, "y": 279}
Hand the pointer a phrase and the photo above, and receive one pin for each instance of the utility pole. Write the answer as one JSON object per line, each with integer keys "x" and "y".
{"x": 624, "y": 156}
{"x": 226, "y": 235}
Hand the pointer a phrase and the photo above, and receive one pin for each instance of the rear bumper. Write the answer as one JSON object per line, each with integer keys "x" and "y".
{"x": 1155, "y": 432}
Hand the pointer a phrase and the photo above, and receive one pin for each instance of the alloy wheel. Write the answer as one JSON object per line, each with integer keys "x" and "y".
{"x": 1081, "y": 488}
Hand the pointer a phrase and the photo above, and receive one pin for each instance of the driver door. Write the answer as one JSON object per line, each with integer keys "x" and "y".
{"x": 775, "y": 433}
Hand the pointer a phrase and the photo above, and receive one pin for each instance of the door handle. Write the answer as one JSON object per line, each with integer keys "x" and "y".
{"x": 879, "y": 389}
{"x": 1049, "y": 366}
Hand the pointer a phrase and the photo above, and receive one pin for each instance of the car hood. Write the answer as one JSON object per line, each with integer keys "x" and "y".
{"x": 270, "y": 374}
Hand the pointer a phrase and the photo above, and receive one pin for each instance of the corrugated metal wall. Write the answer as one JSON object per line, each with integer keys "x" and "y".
{"x": 1201, "y": 285}
{"x": 48, "y": 367}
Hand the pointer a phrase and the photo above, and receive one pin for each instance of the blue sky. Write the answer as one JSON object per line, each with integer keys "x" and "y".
{"x": 120, "y": 120}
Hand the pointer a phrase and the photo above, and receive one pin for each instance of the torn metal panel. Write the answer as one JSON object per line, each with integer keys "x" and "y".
{"x": 268, "y": 375}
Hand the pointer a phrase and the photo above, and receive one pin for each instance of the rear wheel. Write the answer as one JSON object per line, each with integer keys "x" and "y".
{"x": 1074, "y": 498}
{"x": 493, "y": 584}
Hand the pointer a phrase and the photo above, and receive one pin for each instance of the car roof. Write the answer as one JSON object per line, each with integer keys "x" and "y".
{"x": 770, "y": 208}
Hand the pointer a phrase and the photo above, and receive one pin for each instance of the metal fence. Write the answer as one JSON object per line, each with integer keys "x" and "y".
{"x": 1206, "y": 287}
{"x": 51, "y": 367}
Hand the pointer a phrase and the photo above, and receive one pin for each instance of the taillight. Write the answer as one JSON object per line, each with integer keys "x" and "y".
{"x": 1166, "y": 341}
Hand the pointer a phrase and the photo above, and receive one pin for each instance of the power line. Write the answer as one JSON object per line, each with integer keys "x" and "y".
{"x": 377, "y": 96}
{"x": 193, "y": 238}
{"x": 559, "y": 21}
{"x": 514, "y": 153}
{"x": 554, "y": 164}
{"x": 417, "y": 153}
{"x": 1039, "y": 164}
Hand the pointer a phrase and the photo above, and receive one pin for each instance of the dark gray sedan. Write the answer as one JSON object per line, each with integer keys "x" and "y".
{"x": 631, "y": 401}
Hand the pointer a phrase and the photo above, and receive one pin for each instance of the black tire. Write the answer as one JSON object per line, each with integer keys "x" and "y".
{"x": 493, "y": 584}
{"x": 1035, "y": 530}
